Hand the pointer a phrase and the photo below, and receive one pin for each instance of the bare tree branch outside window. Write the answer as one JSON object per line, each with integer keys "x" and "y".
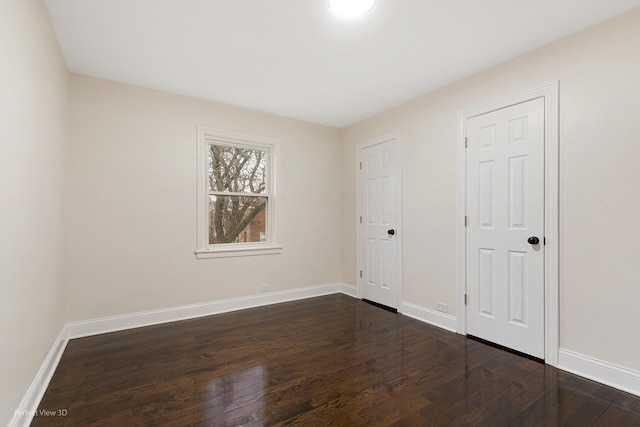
{"x": 237, "y": 194}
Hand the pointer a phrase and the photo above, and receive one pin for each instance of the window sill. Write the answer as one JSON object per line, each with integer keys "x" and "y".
{"x": 238, "y": 252}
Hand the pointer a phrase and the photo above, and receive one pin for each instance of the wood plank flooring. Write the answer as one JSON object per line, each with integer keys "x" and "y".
{"x": 331, "y": 360}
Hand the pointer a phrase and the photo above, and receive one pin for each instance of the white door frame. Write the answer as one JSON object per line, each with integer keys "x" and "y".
{"x": 392, "y": 136}
{"x": 550, "y": 94}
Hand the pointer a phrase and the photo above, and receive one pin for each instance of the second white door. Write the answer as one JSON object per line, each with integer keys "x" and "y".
{"x": 505, "y": 226}
{"x": 378, "y": 234}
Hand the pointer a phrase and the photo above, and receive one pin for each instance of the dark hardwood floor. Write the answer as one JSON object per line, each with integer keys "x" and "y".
{"x": 330, "y": 360}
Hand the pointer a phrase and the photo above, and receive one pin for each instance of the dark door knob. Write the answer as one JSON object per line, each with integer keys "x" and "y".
{"x": 533, "y": 240}
{"x": 391, "y": 232}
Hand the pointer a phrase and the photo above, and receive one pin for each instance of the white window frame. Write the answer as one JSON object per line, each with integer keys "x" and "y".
{"x": 206, "y": 136}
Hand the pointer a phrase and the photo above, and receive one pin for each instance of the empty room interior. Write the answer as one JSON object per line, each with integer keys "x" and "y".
{"x": 300, "y": 213}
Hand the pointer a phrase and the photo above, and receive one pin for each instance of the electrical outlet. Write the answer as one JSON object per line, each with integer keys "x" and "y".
{"x": 266, "y": 287}
{"x": 441, "y": 307}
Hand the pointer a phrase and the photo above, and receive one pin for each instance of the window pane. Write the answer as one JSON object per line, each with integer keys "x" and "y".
{"x": 237, "y": 219}
{"x": 237, "y": 170}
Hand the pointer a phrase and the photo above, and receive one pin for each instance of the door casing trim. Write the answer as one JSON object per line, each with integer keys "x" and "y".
{"x": 551, "y": 163}
{"x": 391, "y": 136}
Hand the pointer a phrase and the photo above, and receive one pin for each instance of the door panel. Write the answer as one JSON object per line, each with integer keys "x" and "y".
{"x": 505, "y": 206}
{"x": 486, "y": 283}
{"x": 378, "y": 198}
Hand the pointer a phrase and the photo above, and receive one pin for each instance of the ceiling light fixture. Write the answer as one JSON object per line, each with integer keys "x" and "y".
{"x": 351, "y": 8}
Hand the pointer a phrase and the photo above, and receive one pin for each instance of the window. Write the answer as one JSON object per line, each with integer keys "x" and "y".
{"x": 236, "y": 201}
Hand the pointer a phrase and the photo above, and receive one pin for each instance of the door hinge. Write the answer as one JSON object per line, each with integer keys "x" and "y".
{"x": 465, "y": 299}
{"x": 544, "y": 241}
{"x": 361, "y": 274}
{"x": 361, "y": 165}
{"x": 466, "y": 221}
{"x": 465, "y": 142}
{"x": 360, "y": 219}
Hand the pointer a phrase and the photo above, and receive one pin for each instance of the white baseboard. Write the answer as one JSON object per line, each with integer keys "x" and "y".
{"x": 352, "y": 291}
{"x": 597, "y": 370}
{"x": 29, "y": 405}
{"x": 432, "y": 317}
{"x": 172, "y": 314}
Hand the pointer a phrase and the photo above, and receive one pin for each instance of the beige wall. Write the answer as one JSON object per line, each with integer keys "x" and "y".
{"x": 33, "y": 116}
{"x": 132, "y": 202}
{"x": 598, "y": 70}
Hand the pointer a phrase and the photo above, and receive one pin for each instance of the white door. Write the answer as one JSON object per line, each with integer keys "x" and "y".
{"x": 378, "y": 178}
{"x": 505, "y": 216}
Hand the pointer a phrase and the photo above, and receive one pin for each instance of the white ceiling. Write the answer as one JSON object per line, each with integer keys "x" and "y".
{"x": 295, "y": 58}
